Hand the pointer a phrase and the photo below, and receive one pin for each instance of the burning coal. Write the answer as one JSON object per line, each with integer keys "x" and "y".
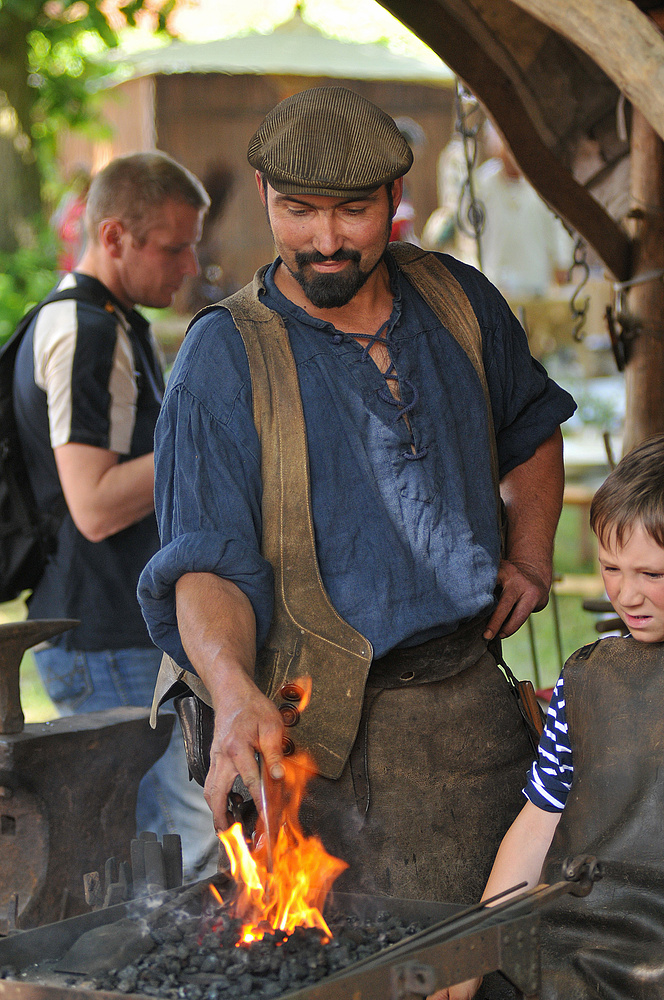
{"x": 186, "y": 961}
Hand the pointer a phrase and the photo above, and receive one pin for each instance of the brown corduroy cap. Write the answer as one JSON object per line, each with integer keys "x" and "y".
{"x": 329, "y": 141}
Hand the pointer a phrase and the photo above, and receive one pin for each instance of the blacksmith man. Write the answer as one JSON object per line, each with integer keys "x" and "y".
{"x": 359, "y": 542}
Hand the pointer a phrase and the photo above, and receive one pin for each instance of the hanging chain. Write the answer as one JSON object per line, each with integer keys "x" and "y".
{"x": 471, "y": 214}
{"x": 578, "y": 308}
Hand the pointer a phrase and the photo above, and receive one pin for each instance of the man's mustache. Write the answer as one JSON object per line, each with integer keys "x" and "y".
{"x": 314, "y": 257}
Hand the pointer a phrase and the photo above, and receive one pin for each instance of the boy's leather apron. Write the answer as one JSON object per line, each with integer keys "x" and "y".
{"x": 426, "y": 766}
{"x": 611, "y": 943}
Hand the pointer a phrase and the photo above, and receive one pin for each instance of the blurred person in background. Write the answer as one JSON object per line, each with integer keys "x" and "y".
{"x": 68, "y": 221}
{"x": 88, "y": 387}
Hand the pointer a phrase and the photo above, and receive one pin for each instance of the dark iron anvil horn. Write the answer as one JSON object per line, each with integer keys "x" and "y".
{"x": 15, "y": 639}
{"x": 68, "y": 790}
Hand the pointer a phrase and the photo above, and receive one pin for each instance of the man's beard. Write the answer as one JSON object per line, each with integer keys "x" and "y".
{"x": 330, "y": 291}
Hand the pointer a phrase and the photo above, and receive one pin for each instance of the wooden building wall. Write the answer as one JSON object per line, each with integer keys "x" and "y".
{"x": 128, "y": 112}
{"x": 206, "y": 122}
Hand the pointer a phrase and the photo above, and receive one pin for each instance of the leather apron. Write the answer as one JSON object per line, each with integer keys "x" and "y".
{"x": 610, "y": 944}
{"x": 434, "y": 778}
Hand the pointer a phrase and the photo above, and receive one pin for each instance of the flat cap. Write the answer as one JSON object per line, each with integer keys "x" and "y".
{"x": 329, "y": 141}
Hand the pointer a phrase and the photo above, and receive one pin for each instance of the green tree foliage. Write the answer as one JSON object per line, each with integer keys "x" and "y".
{"x": 48, "y": 57}
{"x": 27, "y": 274}
{"x": 49, "y": 62}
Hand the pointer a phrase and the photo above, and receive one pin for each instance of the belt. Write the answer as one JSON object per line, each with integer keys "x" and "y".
{"x": 433, "y": 660}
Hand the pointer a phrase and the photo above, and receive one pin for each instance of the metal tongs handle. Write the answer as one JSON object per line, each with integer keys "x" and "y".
{"x": 578, "y": 873}
{"x": 265, "y": 811}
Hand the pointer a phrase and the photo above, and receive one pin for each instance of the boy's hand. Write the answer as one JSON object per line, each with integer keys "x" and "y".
{"x": 462, "y": 991}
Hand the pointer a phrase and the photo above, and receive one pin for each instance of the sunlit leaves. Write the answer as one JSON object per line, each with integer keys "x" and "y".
{"x": 62, "y": 41}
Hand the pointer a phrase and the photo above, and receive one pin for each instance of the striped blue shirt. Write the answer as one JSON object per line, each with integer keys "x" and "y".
{"x": 550, "y": 777}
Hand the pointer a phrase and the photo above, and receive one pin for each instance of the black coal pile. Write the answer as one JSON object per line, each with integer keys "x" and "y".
{"x": 189, "y": 961}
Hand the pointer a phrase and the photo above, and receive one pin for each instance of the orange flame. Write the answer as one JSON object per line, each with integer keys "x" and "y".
{"x": 294, "y": 893}
{"x": 305, "y": 685}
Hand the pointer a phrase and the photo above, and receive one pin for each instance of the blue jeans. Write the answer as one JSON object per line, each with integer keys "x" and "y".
{"x": 168, "y": 802}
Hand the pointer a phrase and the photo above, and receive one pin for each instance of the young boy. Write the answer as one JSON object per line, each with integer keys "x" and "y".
{"x": 597, "y": 787}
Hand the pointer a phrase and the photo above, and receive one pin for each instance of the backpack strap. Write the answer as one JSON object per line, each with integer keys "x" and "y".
{"x": 9, "y": 349}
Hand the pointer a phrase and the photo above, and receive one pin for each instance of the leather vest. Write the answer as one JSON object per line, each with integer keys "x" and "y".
{"x": 310, "y": 647}
{"x": 610, "y": 944}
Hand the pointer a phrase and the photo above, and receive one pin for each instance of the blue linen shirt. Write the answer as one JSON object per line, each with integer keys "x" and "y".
{"x": 408, "y": 547}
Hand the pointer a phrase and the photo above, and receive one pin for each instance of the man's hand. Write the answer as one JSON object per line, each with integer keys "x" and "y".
{"x": 462, "y": 991}
{"x": 533, "y": 494}
{"x": 218, "y": 631}
{"x": 521, "y": 591}
{"x": 245, "y": 721}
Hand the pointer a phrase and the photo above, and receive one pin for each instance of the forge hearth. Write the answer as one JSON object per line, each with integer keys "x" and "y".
{"x": 204, "y": 957}
{"x": 181, "y": 923}
{"x": 68, "y": 960}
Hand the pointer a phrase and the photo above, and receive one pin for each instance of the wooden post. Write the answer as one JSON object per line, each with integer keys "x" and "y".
{"x": 644, "y": 373}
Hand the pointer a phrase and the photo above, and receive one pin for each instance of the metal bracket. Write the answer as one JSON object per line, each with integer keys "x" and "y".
{"x": 583, "y": 870}
{"x": 520, "y": 955}
{"x": 622, "y": 326}
{"x": 617, "y": 335}
{"x": 412, "y": 980}
{"x": 638, "y": 279}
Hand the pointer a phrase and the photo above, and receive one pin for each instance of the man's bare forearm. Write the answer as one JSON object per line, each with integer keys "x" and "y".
{"x": 533, "y": 497}
{"x": 217, "y": 626}
{"x": 104, "y": 495}
{"x": 218, "y": 631}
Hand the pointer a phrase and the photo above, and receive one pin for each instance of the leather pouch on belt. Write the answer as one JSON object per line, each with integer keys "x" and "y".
{"x": 526, "y": 699}
{"x": 191, "y": 702}
{"x": 197, "y": 722}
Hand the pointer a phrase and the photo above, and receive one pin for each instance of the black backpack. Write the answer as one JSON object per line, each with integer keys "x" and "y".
{"x": 28, "y": 536}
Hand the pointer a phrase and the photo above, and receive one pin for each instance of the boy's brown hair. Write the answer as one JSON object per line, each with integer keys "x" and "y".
{"x": 632, "y": 493}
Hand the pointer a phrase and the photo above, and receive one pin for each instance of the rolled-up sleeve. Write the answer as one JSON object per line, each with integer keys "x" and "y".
{"x": 207, "y": 496}
{"x": 527, "y": 405}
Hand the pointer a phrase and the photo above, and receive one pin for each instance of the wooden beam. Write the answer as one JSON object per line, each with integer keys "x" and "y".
{"x": 644, "y": 373}
{"x": 492, "y": 84}
{"x": 621, "y": 39}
